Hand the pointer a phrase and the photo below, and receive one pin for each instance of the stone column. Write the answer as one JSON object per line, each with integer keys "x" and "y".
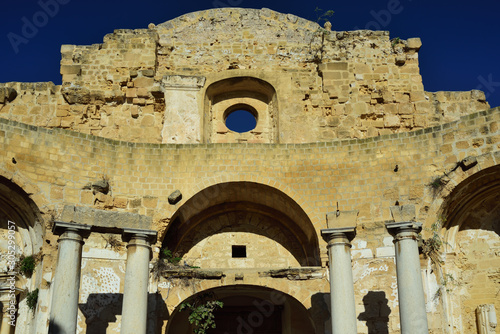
{"x": 135, "y": 294}
{"x": 412, "y": 313}
{"x": 5, "y": 327}
{"x": 486, "y": 319}
{"x": 64, "y": 308}
{"x": 339, "y": 237}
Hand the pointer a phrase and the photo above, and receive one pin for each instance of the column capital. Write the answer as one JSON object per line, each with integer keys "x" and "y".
{"x": 395, "y": 228}
{"x": 129, "y": 233}
{"x": 61, "y": 227}
{"x": 340, "y": 232}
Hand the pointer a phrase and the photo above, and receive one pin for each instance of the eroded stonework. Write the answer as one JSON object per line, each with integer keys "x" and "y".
{"x": 343, "y": 124}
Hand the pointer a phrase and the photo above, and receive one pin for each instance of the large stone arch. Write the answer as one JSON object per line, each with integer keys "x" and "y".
{"x": 253, "y": 309}
{"x": 17, "y": 206}
{"x": 471, "y": 222}
{"x": 438, "y": 206}
{"x": 21, "y": 235}
{"x": 251, "y": 208}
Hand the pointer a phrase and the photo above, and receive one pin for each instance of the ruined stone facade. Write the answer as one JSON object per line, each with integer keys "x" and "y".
{"x": 343, "y": 125}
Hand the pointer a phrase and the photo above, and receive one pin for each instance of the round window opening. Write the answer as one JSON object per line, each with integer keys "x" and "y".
{"x": 241, "y": 118}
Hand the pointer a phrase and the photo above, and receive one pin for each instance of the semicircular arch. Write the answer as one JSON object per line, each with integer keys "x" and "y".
{"x": 260, "y": 309}
{"x": 244, "y": 207}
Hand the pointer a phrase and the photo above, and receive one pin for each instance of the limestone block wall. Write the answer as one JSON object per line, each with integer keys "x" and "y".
{"x": 142, "y": 176}
{"x": 368, "y": 175}
{"x": 345, "y": 124}
{"x": 327, "y": 84}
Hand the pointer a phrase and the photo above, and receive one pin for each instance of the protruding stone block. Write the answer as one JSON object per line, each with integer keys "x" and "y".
{"x": 341, "y": 219}
{"x": 175, "y": 197}
{"x": 403, "y": 213}
{"x": 105, "y": 219}
{"x": 414, "y": 43}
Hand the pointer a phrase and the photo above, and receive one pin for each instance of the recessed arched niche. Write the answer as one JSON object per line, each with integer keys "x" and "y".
{"x": 242, "y": 225}
{"x": 241, "y": 109}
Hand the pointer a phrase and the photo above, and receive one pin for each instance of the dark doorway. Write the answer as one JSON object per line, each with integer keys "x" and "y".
{"x": 248, "y": 319}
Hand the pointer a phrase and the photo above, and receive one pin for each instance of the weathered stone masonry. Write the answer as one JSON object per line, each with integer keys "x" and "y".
{"x": 344, "y": 129}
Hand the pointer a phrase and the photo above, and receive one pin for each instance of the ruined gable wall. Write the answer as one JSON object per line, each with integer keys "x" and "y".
{"x": 328, "y": 84}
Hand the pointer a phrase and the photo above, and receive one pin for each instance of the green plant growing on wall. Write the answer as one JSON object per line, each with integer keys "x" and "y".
{"x": 201, "y": 313}
{"x": 395, "y": 41}
{"x": 438, "y": 182}
{"x": 113, "y": 242}
{"x": 27, "y": 266}
{"x": 32, "y": 299}
{"x": 167, "y": 255}
{"x": 432, "y": 245}
{"x": 321, "y": 18}
{"x": 166, "y": 260}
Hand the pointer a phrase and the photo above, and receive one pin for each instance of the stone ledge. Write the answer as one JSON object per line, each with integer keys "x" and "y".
{"x": 192, "y": 273}
{"x": 295, "y": 274}
{"x": 105, "y": 219}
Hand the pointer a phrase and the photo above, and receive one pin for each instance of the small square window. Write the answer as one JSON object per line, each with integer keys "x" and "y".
{"x": 239, "y": 251}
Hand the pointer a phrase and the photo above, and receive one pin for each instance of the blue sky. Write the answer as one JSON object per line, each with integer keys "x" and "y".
{"x": 461, "y": 39}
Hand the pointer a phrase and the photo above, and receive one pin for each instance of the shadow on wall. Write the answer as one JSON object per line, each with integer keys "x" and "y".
{"x": 376, "y": 312}
{"x": 320, "y": 312}
{"x": 101, "y": 309}
{"x": 55, "y": 329}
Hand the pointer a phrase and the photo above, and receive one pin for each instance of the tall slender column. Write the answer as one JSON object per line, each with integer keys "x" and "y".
{"x": 135, "y": 294}
{"x": 64, "y": 308}
{"x": 343, "y": 309}
{"x": 412, "y": 313}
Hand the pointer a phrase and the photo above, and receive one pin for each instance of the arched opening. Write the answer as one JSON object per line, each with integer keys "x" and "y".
{"x": 20, "y": 236}
{"x": 249, "y": 309}
{"x": 274, "y": 230}
{"x": 241, "y": 98}
{"x": 474, "y": 205}
{"x": 472, "y": 222}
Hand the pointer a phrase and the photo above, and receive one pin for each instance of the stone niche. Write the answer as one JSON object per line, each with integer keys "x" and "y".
{"x": 252, "y": 95}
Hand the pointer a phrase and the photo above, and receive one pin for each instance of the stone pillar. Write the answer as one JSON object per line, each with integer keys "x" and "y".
{"x": 5, "y": 327}
{"x": 412, "y": 313}
{"x": 486, "y": 319}
{"x": 64, "y": 307}
{"x": 343, "y": 308}
{"x": 339, "y": 234}
{"x": 135, "y": 294}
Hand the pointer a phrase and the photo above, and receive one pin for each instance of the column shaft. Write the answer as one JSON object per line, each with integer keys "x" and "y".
{"x": 135, "y": 295}
{"x": 412, "y": 311}
{"x": 64, "y": 308}
{"x": 5, "y": 327}
{"x": 343, "y": 309}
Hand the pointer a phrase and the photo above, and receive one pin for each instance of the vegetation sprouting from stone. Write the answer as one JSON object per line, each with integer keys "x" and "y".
{"x": 438, "y": 182}
{"x": 32, "y": 299}
{"x": 201, "y": 312}
{"x": 395, "y": 41}
{"x": 113, "y": 242}
{"x": 27, "y": 266}
{"x": 167, "y": 255}
{"x": 166, "y": 260}
{"x": 323, "y": 16}
{"x": 431, "y": 246}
